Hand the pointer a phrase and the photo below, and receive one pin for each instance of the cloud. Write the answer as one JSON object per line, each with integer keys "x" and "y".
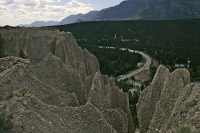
{"x": 13, "y": 12}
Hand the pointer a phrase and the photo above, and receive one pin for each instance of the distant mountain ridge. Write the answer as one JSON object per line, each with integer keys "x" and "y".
{"x": 41, "y": 24}
{"x": 141, "y": 9}
{"x": 91, "y": 16}
{"x": 122, "y": 11}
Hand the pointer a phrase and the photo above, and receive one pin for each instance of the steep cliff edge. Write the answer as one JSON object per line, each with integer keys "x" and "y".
{"x": 170, "y": 103}
{"x": 50, "y": 85}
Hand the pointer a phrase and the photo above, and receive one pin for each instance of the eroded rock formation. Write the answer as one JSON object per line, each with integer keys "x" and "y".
{"x": 149, "y": 98}
{"x": 50, "y": 85}
{"x": 170, "y": 103}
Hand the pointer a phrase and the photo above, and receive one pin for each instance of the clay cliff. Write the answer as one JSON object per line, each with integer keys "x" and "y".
{"x": 170, "y": 104}
{"x": 48, "y": 84}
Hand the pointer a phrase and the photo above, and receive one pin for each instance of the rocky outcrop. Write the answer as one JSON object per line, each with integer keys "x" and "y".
{"x": 29, "y": 114}
{"x": 169, "y": 95}
{"x": 50, "y": 85}
{"x": 104, "y": 94}
{"x": 170, "y": 103}
{"x": 149, "y": 97}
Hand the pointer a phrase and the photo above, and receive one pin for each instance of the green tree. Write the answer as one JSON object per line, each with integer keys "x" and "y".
{"x": 152, "y": 71}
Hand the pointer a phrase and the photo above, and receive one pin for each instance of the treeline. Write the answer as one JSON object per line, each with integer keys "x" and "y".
{"x": 171, "y": 41}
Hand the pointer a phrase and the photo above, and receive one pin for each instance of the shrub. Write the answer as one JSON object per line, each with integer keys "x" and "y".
{"x": 152, "y": 71}
{"x": 1, "y": 47}
{"x": 184, "y": 129}
{"x": 4, "y": 123}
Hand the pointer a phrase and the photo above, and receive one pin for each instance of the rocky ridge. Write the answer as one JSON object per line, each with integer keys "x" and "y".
{"x": 49, "y": 84}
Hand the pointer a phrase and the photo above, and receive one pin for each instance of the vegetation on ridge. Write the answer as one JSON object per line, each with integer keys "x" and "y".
{"x": 1, "y": 47}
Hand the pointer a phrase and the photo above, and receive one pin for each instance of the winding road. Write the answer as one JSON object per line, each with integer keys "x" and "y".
{"x": 130, "y": 74}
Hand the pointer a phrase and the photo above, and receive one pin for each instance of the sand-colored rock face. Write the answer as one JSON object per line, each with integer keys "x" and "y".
{"x": 186, "y": 111}
{"x": 148, "y": 99}
{"x": 169, "y": 95}
{"x": 50, "y": 85}
{"x": 170, "y": 103}
{"x": 105, "y": 95}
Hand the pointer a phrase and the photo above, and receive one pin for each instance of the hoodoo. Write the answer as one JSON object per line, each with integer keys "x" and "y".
{"x": 170, "y": 104}
{"x": 49, "y": 84}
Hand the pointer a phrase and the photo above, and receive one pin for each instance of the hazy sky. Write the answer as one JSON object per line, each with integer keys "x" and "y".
{"x": 14, "y": 12}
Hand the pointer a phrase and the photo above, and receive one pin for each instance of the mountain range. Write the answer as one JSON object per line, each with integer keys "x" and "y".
{"x": 136, "y": 9}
